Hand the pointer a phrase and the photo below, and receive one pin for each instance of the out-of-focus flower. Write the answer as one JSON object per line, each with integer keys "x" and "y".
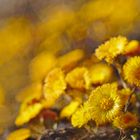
{"x": 81, "y": 116}
{"x": 15, "y": 38}
{"x": 105, "y": 103}
{"x": 111, "y": 49}
{"x": 100, "y": 73}
{"x": 132, "y": 48}
{"x": 53, "y": 43}
{"x": 125, "y": 94}
{"x": 20, "y": 134}
{"x": 131, "y": 70}
{"x": 34, "y": 90}
{"x": 41, "y": 65}
{"x": 68, "y": 110}
{"x": 28, "y": 110}
{"x": 78, "y": 78}
{"x": 70, "y": 59}
{"x": 126, "y": 120}
{"x": 54, "y": 86}
{"x": 56, "y": 19}
{"x": 2, "y": 96}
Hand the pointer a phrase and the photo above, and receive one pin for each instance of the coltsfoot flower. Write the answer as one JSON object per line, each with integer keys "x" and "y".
{"x": 100, "y": 73}
{"x": 30, "y": 108}
{"x": 68, "y": 110}
{"x": 54, "y": 85}
{"x": 78, "y": 78}
{"x": 81, "y": 116}
{"x": 105, "y": 102}
{"x": 125, "y": 121}
{"x": 111, "y": 49}
{"x": 131, "y": 71}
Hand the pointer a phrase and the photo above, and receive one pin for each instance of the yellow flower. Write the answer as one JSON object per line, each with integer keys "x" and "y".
{"x": 70, "y": 59}
{"x": 78, "y": 78}
{"x": 131, "y": 70}
{"x": 131, "y": 47}
{"x": 100, "y": 73}
{"x": 111, "y": 49}
{"x": 28, "y": 110}
{"x": 54, "y": 85}
{"x": 124, "y": 121}
{"x": 68, "y": 110}
{"x": 105, "y": 103}
{"x": 81, "y": 116}
{"x": 41, "y": 65}
{"x": 21, "y": 134}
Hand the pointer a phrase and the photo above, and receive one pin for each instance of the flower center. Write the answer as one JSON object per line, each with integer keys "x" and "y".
{"x": 106, "y": 104}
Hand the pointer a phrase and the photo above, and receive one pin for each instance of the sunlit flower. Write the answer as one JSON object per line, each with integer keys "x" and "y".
{"x": 29, "y": 109}
{"x": 132, "y": 47}
{"x": 124, "y": 121}
{"x": 81, "y": 116}
{"x": 131, "y": 70}
{"x": 21, "y": 134}
{"x": 105, "y": 103}
{"x": 78, "y": 78}
{"x": 111, "y": 49}
{"x": 68, "y": 110}
{"x": 54, "y": 85}
{"x": 70, "y": 59}
{"x": 100, "y": 73}
{"x": 41, "y": 65}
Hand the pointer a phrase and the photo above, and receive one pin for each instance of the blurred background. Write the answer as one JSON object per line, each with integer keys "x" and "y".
{"x": 33, "y": 33}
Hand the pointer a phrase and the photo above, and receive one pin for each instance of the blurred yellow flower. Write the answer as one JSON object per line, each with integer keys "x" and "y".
{"x": 20, "y": 134}
{"x": 111, "y": 49}
{"x": 131, "y": 47}
{"x": 101, "y": 73}
{"x": 15, "y": 38}
{"x": 78, "y": 78}
{"x": 70, "y": 59}
{"x": 126, "y": 120}
{"x": 105, "y": 103}
{"x": 56, "y": 19}
{"x": 68, "y": 110}
{"x": 54, "y": 85}
{"x": 28, "y": 110}
{"x": 41, "y": 65}
{"x": 131, "y": 70}
{"x": 81, "y": 116}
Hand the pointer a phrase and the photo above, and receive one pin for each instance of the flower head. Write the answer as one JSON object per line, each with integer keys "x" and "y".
{"x": 100, "y": 73}
{"x": 54, "y": 84}
{"x": 105, "y": 103}
{"x": 68, "y": 110}
{"x": 127, "y": 120}
{"x": 131, "y": 70}
{"x": 78, "y": 78}
{"x": 111, "y": 49}
{"x": 81, "y": 116}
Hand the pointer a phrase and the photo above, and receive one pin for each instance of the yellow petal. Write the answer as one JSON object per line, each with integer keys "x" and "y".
{"x": 21, "y": 134}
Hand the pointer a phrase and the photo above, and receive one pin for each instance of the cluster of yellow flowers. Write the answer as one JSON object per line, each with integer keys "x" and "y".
{"x": 95, "y": 91}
